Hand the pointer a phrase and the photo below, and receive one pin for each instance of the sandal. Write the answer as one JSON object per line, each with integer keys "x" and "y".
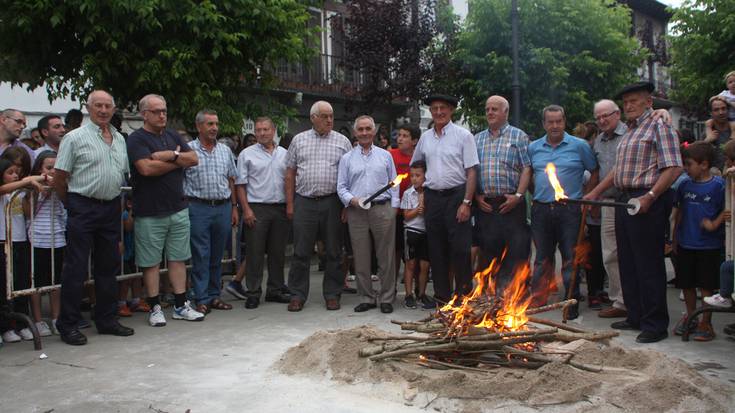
{"x": 704, "y": 333}
{"x": 220, "y": 305}
{"x": 204, "y": 309}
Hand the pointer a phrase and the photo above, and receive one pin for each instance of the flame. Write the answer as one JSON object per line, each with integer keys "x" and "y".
{"x": 484, "y": 309}
{"x": 554, "y": 181}
{"x": 397, "y": 180}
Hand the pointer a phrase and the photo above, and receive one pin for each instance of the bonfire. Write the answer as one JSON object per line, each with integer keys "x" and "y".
{"x": 485, "y": 329}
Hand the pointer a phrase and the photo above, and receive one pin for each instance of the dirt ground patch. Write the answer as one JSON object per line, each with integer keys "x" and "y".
{"x": 632, "y": 380}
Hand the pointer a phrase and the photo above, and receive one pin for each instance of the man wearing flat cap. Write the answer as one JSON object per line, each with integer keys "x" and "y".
{"x": 647, "y": 163}
{"x": 451, "y": 156}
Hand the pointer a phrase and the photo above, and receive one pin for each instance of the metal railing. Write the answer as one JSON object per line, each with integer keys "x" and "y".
{"x": 11, "y": 293}
{"x": 321, "y": 73}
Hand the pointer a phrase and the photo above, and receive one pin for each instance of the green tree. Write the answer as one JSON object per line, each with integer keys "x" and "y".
{"x": 703, "y": 50}
{"x": 572, "y": 52}
{"x": 195, "y": 53}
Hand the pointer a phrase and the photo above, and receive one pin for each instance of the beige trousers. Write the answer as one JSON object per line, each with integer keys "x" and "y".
{"x": 610, "y": 256}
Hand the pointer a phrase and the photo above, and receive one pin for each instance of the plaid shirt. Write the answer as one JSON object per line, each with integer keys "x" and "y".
{"x": 646, "y": 148}
{"x": 502, "y": 160}
{"x": 316, "y": 161}
{"x": 210, "y": 178}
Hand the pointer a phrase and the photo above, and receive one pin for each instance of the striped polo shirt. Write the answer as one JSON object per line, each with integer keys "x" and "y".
{"x": 96, "y": 169}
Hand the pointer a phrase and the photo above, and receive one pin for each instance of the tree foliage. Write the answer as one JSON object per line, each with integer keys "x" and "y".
{"x": 703, "y": 49}
{"x": 572, "y": 53}
{"x": 195, "y": 53}
{"x": 388, "y": 43}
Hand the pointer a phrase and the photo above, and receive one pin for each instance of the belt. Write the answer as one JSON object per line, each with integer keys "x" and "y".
{"x": 448, "y": 191}
{"x": 95, "y": 200}
{"x": 210, "y": 202}
{"x": 320, "y": 197}
{"x": 275, "y": 204}
{"x": 495, "y": 199}
{"x": 380, "y": 202}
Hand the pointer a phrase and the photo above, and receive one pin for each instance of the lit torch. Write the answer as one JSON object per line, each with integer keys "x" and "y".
{"x": 633, "y": 205}
{"x": 365, "y": 203}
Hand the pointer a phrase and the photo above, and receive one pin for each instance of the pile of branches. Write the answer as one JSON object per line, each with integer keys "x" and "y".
{"x": 441, "y": 344}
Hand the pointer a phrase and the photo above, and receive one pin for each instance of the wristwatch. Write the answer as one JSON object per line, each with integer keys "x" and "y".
{"x": 467, "y": 202}
{"x": 653, "y": 194}
{"x": 176, "y": 156}
{"x": 518, "y": 194}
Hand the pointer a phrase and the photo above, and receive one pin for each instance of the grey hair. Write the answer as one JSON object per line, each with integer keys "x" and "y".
{"x": 506, "y": 105}
{"x": 552, "y": 108}
{"x": 9, "y": 112}
{"x": 608, "y": 102}
{"x": 359, "y": 118}
{"x": 202, "y": 113}
{"x": 265, "y": 119}
{"x": 94, "y": 93}
{"x": 143, "y": 103}
{"x": 315, "y": 107}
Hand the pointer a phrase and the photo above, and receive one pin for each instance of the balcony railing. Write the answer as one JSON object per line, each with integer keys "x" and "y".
{"x": 322, "y": 74}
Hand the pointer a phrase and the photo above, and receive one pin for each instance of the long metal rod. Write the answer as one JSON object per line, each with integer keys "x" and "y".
{"x": 598, "y": 203}
{"x": 516, "y": 83}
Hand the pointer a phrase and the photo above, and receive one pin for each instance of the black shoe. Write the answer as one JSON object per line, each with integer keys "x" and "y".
{"x": 362, "y": 307}
{"x": 349, "y": 290}
{"x": 729, "y": 329}
{"x": 573, "y": 312}
{"x": 409, "y": 302}
{"x": 73, "y": 337}
{"x": 651, "y": 336}
{"x": 427, "y": 303}
{"x": 116, "y": 329}
{"x": 280, "y": 297}
{"x": 253, "y": 302}
{"x": 623, "y": 325}
{"x": 386, "y": 308}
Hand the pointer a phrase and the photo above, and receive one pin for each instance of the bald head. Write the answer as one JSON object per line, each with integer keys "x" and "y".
{"x": 101, "y": 107}
{"x": 607, "y": 115}
{"x": 322, "y": 117}
{"x": 496, "y": 112}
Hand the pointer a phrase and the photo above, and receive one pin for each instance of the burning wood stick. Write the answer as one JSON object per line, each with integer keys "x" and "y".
{"x": 557, "y": 325}
{"x": 550, "y": 307}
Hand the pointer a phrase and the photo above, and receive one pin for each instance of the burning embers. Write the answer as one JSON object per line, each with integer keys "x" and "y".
{"x": 485, "y": 329}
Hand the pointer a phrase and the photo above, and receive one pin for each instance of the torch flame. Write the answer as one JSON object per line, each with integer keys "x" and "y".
{"x": 554, "y": 181}
{"x": 397, "y": 180}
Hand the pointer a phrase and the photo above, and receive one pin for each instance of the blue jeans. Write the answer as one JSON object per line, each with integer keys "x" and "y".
{"x": 727, "y": 272}
{"x": 553, "y": 225}
{"x": 210, "y": 228}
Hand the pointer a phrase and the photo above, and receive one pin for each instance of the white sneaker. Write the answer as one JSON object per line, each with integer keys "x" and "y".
{"x": 718, "y": 301}
{"x": 351, "y": 277}
{"x": 374, "y": 277}
{"x": 187, "y": 313}
{"x": 26, "y": 334}
{"x": 54, "y": 330}
{"x": 43, "y": 329}
{"x": 155, "y": 317}
{"x": 11, "y": 336}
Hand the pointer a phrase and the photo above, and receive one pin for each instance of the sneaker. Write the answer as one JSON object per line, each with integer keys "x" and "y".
{"x": 26, "y": 334}
{"x": 374, "y": 277}
{"x": 123, "y": 310}
{"x": 43, "y": 329}
{"x": 679, "y": 328}
{"x": 141, "y": 307}
{"x": 718, "y": 301}
{"x": 351, "y": 277}
{"x": 409, "y": 302}
{"x": 427, "y": 303}
{"x": 11, "y": 336}
{"x": 156, "y": 317}
{"x": 235, "y": 288}
{"x": 187, "y": 313}
{"x": 54, "y": 330}
{"x": 704, "y": 332}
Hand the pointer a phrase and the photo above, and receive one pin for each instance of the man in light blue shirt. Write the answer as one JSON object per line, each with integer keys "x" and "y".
{"x": 552, "y": 223}
{"x": 362, "y": 172}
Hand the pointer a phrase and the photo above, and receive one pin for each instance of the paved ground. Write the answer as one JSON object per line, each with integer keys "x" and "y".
{"x": 224, "y": 364}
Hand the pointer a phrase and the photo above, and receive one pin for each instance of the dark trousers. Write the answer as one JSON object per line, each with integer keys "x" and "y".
{"x": 21, "y": 281}
{"x": 311, "y": 218}
{"x": 596, "y": 271}
{"x": 640, "y": 240}
{"x": 554, "y": 225}
{"x": 507, "y": 232}
{"x": 268, "y": 236}
{"x": 449, "y": 242}
{"x": 90, "y": 223}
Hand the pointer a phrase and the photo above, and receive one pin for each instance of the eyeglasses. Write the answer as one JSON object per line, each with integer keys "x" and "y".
{"x": 19, "y": 121}
{"x": 605, "y": 115}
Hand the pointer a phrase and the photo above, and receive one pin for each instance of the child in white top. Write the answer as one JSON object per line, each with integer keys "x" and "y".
{"x": 416, "y": 249}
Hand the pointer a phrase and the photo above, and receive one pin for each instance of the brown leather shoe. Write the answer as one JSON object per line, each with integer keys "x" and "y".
{"x": 612, "y": 312}
{"x": 333, "y": 304}
{"x": 295, "y": 305}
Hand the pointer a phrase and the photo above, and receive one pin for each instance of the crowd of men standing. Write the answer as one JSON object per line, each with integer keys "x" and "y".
{"x": 187, "y": 197}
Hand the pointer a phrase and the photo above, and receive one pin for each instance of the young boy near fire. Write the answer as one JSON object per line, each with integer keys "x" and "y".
{"x": 416, "y": 249}
{"x": 698, "y": 246}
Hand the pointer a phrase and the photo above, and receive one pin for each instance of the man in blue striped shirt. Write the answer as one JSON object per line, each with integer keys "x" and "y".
{"x": 503, "y": 176}
{"x": 212, "y": 210}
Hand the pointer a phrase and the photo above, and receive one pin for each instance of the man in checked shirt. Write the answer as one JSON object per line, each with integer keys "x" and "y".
{"x": 503, "y": 175}
{"x": 313, "y": 205}
{"x": 647, "y": 163}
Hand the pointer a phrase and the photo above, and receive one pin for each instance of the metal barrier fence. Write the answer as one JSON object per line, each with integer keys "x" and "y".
{"x": 56, "y": 284}
{"x": 729, "y": 239}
